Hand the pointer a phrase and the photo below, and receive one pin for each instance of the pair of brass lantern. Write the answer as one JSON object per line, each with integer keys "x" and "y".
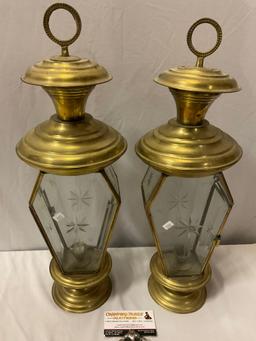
{"x": 186, "y": 197}
{"x": 76, "y": 197}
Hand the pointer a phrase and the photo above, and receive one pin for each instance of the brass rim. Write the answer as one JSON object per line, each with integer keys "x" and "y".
{"x": 178, "y": 303}
{"x": 80, "y": 294}
{"x": 81, "y": 281}
{"x": 77, "y": 301}
{"x": 90, "y": 145}
{"x": 179, "y": 284}
{"x": 191, "y": 151}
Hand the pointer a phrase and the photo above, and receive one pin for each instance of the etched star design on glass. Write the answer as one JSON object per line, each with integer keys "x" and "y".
{"x": 188, "y": 228}
{"x": 79, "y": 199}
{"x": 77, "y": 225}
{"x": 81, "y": 211}
{"x": 186, "y": 215}
{"x": 180, "y": 200}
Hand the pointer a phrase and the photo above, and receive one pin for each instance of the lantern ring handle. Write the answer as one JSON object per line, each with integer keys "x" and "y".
{"x": 63, "y": 43}
{"x": 202, "y": 55}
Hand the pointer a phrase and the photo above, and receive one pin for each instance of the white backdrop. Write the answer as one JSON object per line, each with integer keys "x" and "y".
{"x": 134, "y": 40}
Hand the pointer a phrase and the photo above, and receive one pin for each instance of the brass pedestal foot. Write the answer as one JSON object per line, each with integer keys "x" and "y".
{"x": 81, "y": 293}
{"x": 181, "y": 294}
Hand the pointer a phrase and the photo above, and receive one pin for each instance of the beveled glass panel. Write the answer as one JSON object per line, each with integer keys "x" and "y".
{"x": 76, "y": 213}
{"x": 187, "y": 214}
{"x": 151, "y": 179}
{"x": 113, "y": 178}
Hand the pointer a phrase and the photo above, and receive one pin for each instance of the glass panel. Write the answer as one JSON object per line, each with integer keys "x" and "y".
{"x": 48, "y": 224}
{"x": 80, "y": 210}
{"x": 187, "y": 214}
{"x": 150, "y": 181}
{"x": 219, "y": 205}
{"x": 113, "y": 178}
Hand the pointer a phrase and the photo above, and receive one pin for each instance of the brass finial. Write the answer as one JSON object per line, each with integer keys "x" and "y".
{"x": 202, "y": 55}
{"x": 63, "y": 43}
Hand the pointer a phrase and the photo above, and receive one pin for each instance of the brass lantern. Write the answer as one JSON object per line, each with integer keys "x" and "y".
{"x": 76, "y": 197}
{"x": 186, "y": 197}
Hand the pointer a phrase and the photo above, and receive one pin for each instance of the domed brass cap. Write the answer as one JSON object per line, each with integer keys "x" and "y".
{"x": 199, "y": 78}
{"x": 65, "y": 70}
{"x": 189, "y": 145}
{"x": 67, "y": 148}
{"x": 62, "y": 71}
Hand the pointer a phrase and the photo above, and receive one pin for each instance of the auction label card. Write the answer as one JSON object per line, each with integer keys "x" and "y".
{"x": 117, "y": 323}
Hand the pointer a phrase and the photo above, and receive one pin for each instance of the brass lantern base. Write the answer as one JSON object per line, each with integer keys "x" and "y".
{"x": 81, "y": 293}
{"x": 181, "y": 294}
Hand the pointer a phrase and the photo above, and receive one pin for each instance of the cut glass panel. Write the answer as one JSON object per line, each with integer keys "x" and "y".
{"x": 187, "y": 214}
{"x": 113, "y": 178}
{"x": 76, "y": 213}
{"x": 151, "y": 179}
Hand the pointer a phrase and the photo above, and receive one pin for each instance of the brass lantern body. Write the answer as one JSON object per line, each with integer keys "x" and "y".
{"x": 187, "y": 150}
{"x": 72, "y": 145}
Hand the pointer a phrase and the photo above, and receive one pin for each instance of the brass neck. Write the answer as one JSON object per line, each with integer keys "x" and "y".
{"x": 69, "y": 102}
{"x": 192, "y": 106}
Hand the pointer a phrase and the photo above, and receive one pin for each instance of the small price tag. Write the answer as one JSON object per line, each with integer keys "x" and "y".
{"x": 168, "y": 225}
{"x": 118, "y": 323}
{"x": 58, "y": 216}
